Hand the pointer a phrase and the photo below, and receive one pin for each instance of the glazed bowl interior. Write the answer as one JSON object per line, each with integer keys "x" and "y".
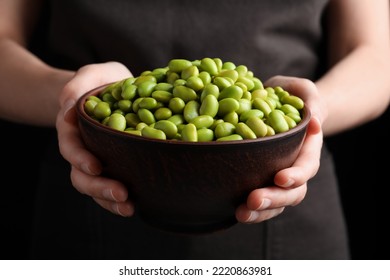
{"x": 189, "y": 187}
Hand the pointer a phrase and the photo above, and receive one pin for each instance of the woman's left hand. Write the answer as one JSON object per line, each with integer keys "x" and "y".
{"x": 290, "y": 184}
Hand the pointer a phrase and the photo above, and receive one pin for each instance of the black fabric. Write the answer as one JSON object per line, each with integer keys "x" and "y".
{"x": 278, "y": 37}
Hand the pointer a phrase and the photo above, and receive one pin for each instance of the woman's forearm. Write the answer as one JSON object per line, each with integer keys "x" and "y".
{"x": 356, "y": 90}
{"x": 32, "y": 86}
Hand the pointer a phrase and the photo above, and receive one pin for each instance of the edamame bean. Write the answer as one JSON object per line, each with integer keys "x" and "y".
{"x": 151, "y": 132}
{"x": 209, "y": 106}
{"x": 189, "y": 133}
{"x": 205, "y": 134}
{"x": 117, "y": 121}
{"x": 277, "y": 121}
{"x": 224, "y": 129}
{"x": 102, "y": 110}
{"x": 191, "y": 110}
{"x": 233, "y": 137}
{"x": 169, "y": 128}
{"x": 202, "y": 121}
{"x": 245, "y": 131}
{"x": 178, "y": 65}
{"x": 227, "y": 105}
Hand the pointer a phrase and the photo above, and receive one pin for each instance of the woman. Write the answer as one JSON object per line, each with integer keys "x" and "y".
{"x": 314, "y": 49}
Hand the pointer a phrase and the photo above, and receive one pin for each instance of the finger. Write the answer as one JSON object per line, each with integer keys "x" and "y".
{"x": 245, "y": 215}
{"x": 307, "y": 162}
{"x": 275, "y": 197}
{"x": 72, "y": 147}
{"x": 91, "y": 76}
{"x": 98, "y": 187}
{"x": 305, "y": 89}
{"x": 125, "y": 209}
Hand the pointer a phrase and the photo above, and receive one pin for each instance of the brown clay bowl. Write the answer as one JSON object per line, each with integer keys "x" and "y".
{"x": 189, "y": 187}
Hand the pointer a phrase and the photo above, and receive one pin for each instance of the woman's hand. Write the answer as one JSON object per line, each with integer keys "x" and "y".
{"x": 86, "y": 168}
{"x": 290, "y": 183}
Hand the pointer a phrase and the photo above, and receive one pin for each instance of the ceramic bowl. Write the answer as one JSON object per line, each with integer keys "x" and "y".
{"x": 189, "y": 187}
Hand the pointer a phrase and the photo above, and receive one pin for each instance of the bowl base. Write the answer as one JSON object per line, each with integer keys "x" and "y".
{"x": 190, "y": 228}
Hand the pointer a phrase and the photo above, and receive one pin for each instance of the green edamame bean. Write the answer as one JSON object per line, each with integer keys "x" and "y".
{"x": 232, "y": 91}
{"x": 144, "y": 78}
{"x": 163, "y": 113}
{"x": 218, "y": 63}
{"x": 147, "y": 103}
{"x": 224, "y": 129}
{"x": 191, "y": 110}
{"x": 209, "y": 89}
{"x": 232, "y": 118}
{"x": 296, "y": 117}
{"x": 164, "y": 86}
{"x": 117, "y": 121}
{"x": 202, "y": 121}
{"x": 208, "y": 64}
{"x": 227, "y": 105}
{"x": 293, "y": 100}
{"x": 246, "y": 81}
{"x": 146, "y": 116}
{"x": 178, "y": 65}
{"x": 195, "y": 83}
{"x": 129, "y": 92}
{"x": 244, "y": 130}
{"x": 289, "y": 109}
{"x": 251, "y": 113}
{"x": 277, "y": 121}
{"x": 176, "y": 104}
{"x": 177, "y": 119}
{"x": 151, "y": 132}
{"x": 162, "y": 95}
{"x": 102, "y": 110}
{"x": 172, "y": 77}
{"x": 205, "y": 76}
{"x": 209, "y": 106}
{"x": 132, "y": 120}
{"x": 259, "y": 93}
{"x": 231, "y": 73}
{"x": 169, "y": 128}
{"x": 185, "y": 93}
{"x": 233, "y": 137}
{"x": 145, "y": 88}
{"x": 291, "y": 123}
{"x": 245, "y": 105}
{"x": 189, "y": 133}
{"x": 133, "y": 131}
{"x": 125, "y": 105}
{"x": 262, "y": 105}
{"x": 89, "y": 106}
{"x": 205, "y": 134}
{"x": 223, "y": 82}
{"x": 257, "y": 125}
{"x": 228, "y": 65}
{"x": 189, "y": 72}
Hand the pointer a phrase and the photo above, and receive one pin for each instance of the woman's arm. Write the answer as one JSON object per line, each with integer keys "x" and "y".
{"x": 356, "y": 89}
{"x": 28, "y": 86}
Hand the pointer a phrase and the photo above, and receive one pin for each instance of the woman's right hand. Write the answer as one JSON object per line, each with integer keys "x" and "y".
{"x": 85, "y": 167}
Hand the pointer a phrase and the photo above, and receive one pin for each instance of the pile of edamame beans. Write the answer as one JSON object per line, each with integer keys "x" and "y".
{"x": 196, "y": 101}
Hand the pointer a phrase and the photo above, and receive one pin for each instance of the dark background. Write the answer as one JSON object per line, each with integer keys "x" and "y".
{"x": 362, "y": 157}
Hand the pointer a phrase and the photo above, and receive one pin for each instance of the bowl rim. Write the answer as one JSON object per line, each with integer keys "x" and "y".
{"x": 302, "y": 125}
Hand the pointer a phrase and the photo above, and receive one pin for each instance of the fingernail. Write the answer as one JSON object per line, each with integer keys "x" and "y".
{"x": 288, "y": 183}
{"x": 107, "y": 194}
{"x": 265, "y": 203}
{"x": 252, "y": 217}
{"x": 85, "y": 168}
{"x": 116, "y": 209}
